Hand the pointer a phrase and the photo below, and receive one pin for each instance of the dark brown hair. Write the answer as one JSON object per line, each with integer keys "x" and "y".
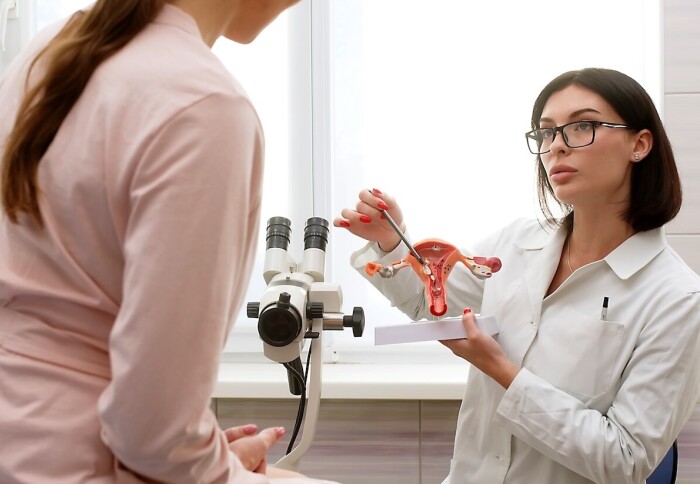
{"x": 655, "y": 192}
{"x": 69, "y": 60}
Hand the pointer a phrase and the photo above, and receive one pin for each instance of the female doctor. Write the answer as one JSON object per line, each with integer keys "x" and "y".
{"x": 131, "y": 186}
{"x": 567, "y": 393}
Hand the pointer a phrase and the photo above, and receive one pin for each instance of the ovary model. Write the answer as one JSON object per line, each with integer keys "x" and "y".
{"x": 440, "y": 258}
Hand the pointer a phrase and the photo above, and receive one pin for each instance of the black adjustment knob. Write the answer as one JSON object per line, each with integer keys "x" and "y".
{"x": 253, "y": 310}
{"x": 356, "y": 321}
{"x": 314, "y": 310}
{"x": 283, "y": 300}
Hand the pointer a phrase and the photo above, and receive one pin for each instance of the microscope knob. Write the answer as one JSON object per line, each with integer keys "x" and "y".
{"x": 356, "y": 321}
{"x": 284, "y": 300}
{"x": 253, "y": 310}
{"x": 314, "y": 310}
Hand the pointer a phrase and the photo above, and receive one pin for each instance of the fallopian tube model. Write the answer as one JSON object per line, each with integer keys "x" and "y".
{"x": 440, "y": 258}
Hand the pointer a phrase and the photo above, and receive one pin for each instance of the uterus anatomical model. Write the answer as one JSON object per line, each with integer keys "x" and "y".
{"x": 440, "y": 258}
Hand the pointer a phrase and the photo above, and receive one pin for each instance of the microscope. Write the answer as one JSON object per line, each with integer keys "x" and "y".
{"x": 298, "y": 305}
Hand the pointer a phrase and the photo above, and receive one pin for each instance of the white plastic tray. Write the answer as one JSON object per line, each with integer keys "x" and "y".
{"x": 448, "y": 328}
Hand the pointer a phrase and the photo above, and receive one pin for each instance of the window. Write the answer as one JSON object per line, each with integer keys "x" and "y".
{"x": 49, "y": 11}
{"x": 419, "y": 89}
{"x": 408, "y": 94}
{"x": 404, "y": 95}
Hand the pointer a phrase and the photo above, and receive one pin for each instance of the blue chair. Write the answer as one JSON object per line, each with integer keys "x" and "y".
{"x": 666, "y": 471}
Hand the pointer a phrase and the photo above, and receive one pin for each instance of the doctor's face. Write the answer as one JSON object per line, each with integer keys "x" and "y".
{"x": 598, "y": 173}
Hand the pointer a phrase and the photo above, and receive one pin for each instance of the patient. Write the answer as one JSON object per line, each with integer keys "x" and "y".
{"x": 131, "y": 190}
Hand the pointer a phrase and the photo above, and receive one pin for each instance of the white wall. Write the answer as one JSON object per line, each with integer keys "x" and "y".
{"x": 682, "y": 118}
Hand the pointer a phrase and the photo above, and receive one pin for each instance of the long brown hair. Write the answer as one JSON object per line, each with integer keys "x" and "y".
{"x": 70, "y": 59}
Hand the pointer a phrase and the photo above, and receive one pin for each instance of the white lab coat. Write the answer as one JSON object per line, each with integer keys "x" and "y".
{"x": 597, "y": 400}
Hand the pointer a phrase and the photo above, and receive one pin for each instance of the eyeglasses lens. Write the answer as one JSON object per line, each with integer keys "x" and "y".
{"x": 575, "y": 135}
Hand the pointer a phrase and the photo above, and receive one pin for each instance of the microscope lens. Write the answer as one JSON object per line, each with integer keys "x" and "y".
{"x": 279, "y": 326}
{"x": 316, "y": 233}
{"x": 278, "y": 233}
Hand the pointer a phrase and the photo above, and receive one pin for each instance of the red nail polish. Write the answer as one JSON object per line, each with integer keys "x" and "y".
{"x": 343, "y": 223}
{"x": 383, "y": 206}
{"x": 381, "y": 216}
{"x": 365, "y": 219}
{"x": 467, "y": 311}
{"x": 376, "y": 191}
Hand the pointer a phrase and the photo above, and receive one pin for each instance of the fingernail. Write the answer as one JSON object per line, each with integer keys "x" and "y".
{"x": 279, "y": 430}
{"x": 343, "y": 223}
{"x": 381, "y": 216}
{"x": 383, "y": 206}
{"x": 376, "y": 190}
{"x": 467, "y": 311}
{"x": 365, "y": 219}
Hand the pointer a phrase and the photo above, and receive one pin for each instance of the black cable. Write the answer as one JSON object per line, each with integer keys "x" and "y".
{"x": 302, "y": 398}
{"x": 302, "y": 401}
{"x": 302, "y": 404}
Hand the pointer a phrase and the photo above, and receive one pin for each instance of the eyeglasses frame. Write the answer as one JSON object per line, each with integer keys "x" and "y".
{"x": 560, "y": 129}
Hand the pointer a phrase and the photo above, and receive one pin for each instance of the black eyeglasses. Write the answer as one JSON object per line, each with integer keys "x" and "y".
{"x": 575, "y": 135}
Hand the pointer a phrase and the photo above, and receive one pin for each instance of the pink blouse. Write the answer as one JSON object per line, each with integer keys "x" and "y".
{"x": 114, "y": 315}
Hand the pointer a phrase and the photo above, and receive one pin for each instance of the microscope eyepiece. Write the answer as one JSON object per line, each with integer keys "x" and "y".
{"x": 279, "y": 230}
{"x": 316, "y": 233}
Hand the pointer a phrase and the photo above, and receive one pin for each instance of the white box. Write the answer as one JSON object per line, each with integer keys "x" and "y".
{"x": 448, "y": 328}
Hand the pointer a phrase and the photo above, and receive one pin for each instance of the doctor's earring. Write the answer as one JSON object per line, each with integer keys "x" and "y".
{"x": 636, "y": 157}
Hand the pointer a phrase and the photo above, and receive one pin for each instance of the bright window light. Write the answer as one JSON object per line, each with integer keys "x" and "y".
{"x": 49, "y": 11}
{"x": 431, "y": 102}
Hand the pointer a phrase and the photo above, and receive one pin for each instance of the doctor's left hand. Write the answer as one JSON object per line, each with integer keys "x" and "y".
{"x": 482, "y": 351}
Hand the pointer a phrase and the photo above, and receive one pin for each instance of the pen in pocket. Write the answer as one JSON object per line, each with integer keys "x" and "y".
{"x": 604, "y": 311}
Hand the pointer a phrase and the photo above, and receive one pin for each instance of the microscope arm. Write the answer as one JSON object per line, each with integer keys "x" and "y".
{"x": 291, "y": 460}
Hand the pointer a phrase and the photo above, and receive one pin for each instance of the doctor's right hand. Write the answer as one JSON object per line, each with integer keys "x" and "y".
{"x": 366, "y": 220}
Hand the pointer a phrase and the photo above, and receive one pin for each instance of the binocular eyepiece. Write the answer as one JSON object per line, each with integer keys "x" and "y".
{"x": 279, "y": 231}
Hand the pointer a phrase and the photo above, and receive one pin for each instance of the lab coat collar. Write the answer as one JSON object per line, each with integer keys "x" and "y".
{"x": 636, "y": 252}
{"x": 543, "y": 246}
{"x": 628, "y": 258}
{"x": 537, "y": 238}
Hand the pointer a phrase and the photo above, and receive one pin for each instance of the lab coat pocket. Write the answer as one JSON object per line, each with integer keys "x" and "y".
{"x": 580, "y": 355}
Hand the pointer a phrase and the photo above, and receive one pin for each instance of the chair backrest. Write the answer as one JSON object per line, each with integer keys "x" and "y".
{"x": 665, "y": 472}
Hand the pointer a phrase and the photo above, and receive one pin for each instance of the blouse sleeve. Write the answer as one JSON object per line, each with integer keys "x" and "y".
{"x": 194, "y": 200}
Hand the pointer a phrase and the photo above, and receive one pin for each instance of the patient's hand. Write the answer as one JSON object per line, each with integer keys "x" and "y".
{"x": 251, "y": 448}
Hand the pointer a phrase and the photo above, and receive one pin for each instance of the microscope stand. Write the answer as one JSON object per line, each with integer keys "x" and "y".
{"x": 291, "y": 460}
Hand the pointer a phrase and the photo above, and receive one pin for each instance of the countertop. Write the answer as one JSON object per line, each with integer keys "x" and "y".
{"x": 374, "y": 381}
